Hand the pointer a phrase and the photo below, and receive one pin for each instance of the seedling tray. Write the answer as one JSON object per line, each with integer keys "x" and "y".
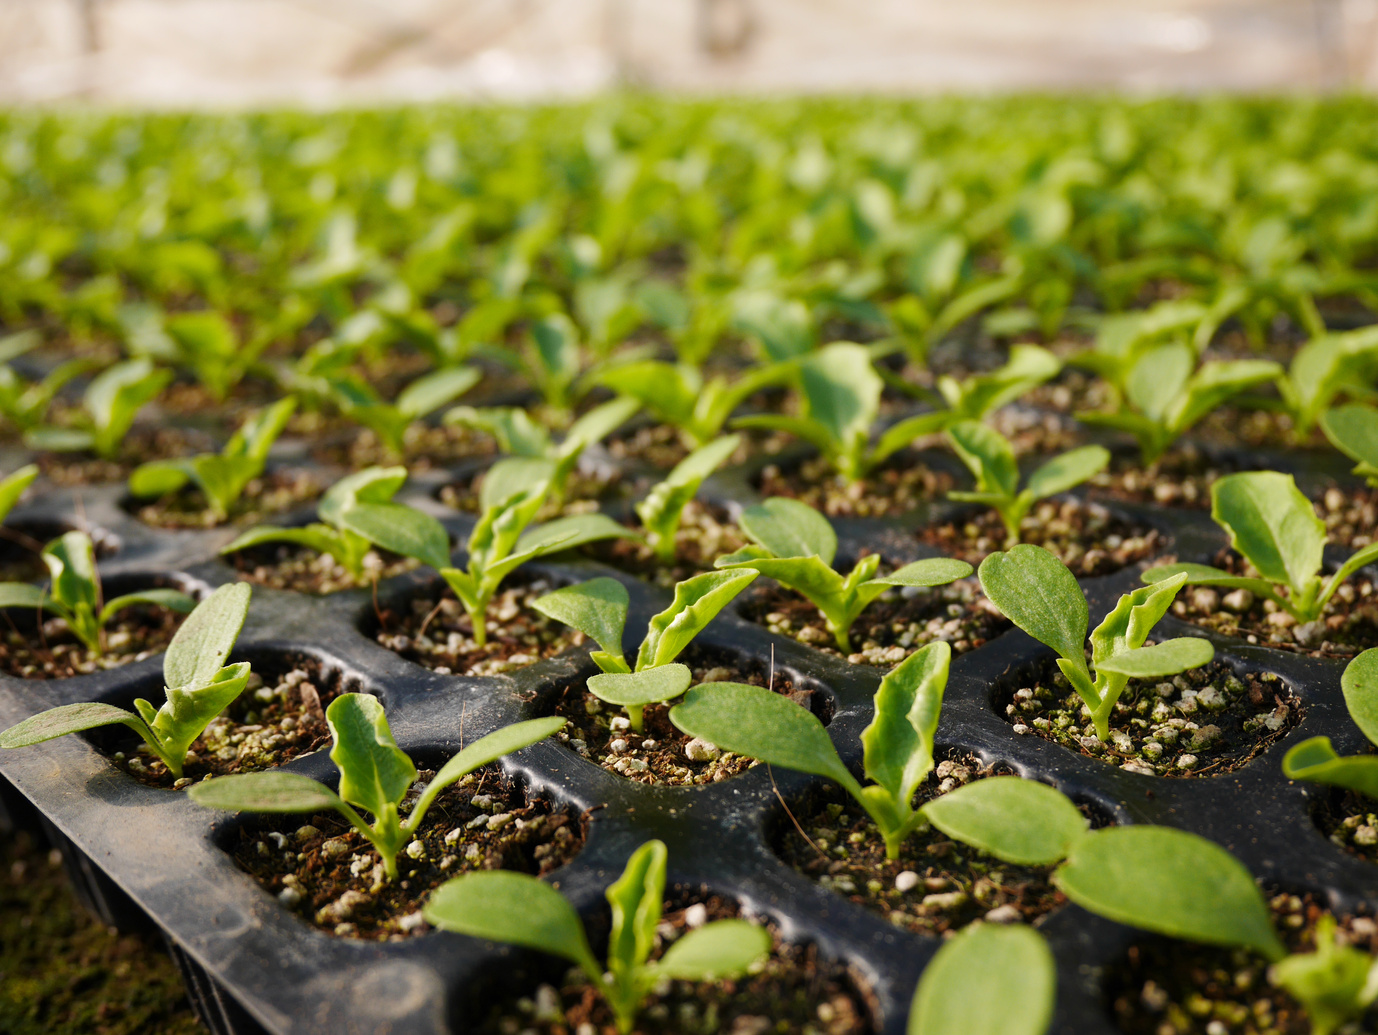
{"x": 149, "y": 855}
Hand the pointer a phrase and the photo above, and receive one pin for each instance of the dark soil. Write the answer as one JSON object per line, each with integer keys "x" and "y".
{"x": 1350, "y": 820}
{"x": 936, "y": 885}
{"x": 324, "y": 870}
{"x": 437, "y": 633}
{"x": 1169, "y": 987}
{"x": 288, "y": 566}
{"x": 795, "y": 992}
{"x": 897, "y": 623}
{"x": 273, "y": 493}
{"x": 265, "y": 727}
{"x": 898, "y": 486}
{"x": 139, "y": 446}
{"x": 63, "y": 973}
{"x": 660, "y": 753}
{"x": 1182, "y": 477}
{"x": 1350, "y": 515}
{"x": 1085, "y": 536}
{"x": 52, "y": 652}
{"x": 705, "y": 534}
{"x": 1348, "y": 625}
{"x": 1202, "y": 722}
{"x": 424, "y": 446}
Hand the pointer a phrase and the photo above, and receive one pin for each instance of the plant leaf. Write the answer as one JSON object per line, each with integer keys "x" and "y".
{"x": 68, "y": 718}
{"x": 900, "y": 434}
{"x": 635, "y": 898}
{"x": 374, "y": 771}
{"x": 597, "y": 608}
{"x": 1162, "y": 659}
{"x": 23, "y": 594}
{"x": 568, "y": 532}
{"x": 482, "y": 751}
{"x": 988, "y": 455}
{"x": 1315, "y": 760}
{"x": 515, "y": 476}
{"x": 264, "y": 792}
{"x": 515, "y": 431}
{"x": 842, "y": 391}
{"x": 898, "y": 743}
{"x": 434, "y": 390}
{"x": 990, "y": 979}
{"x": 697, "y": 602}
{"x": 1132, "y": 619}
{"x": 189, "y": 710}
{"x": 13, "y": 486}
{"x": 321, "y": 538}
{"x": 1272, "y": 524}
{"x": 789, "y": 528}
{"x": 403, "y": 530}
{"x": 203, "y": 642}
{"x": 637, "y": 689}
{"x": 1068, "y": 470}
{"x": 722, "y": 950}
{"x": 931, "y": 571}
{"x": 159, "y": 477}
{"x": 371, "y": 485}
{"x": 597, "y": 424}
{"x": 1037, "y": 592}
{"x": 172, "y": 599}
{"x": 1353, "y": 430}
{"x": 1360, "y": 686}
{"x": 71, "y": 561}
{"x": 1020, "y": 821}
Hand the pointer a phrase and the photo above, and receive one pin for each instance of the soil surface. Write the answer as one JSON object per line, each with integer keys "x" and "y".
{"x": 1350, "y": 515}
{"x": 325, "y": 871}
{"x": 1182, "y": 477}
{"x": 1350, "y": 820}
{"x": 263, "y": 497}
{"x": 139, "y": 446}
{"x": 1202, "y": 722}
{"x": 898, "y": 486}
{"x": 63, "y": 973}
{"x": 795, "y": 992}
{"x": 288, "y": 566}
{"x": 52, "y": 652}
{"x": 660, "y": 753}
{"x": 705, "y": 534}
{"x": 438, "y": 633}
{"x": 936, "y": 885}
{"x": 896, "y": 624}
{"x": 1085, "y": 536}
{"x": 424, "y": 447}
{"x": 1169, "y": 987}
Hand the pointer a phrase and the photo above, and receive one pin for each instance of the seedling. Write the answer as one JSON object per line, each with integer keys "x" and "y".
{"x": 1037, "y": 592}
{"x": 679, "y": 396}
{"x": 112, "y": 401}
{"x": 13, "y": 486}
{"x": 990, "y": 458}
{"x": 987, "y": 978}
{"x": 1353, "y": 430}
{"x": 372, "y": 487}
{"x": 598, "y": 609}
{"x": 795, "y": 545}
{"x": 979, "y": 395}
{"x": 1315, "y": 759}
{"x": 1276, "y": 529}
{"x": 199, "y": 687}
{"x": 375, "y": 775}
{"x": 1325, "y": 368}
{"x": 1165, "y": 394}
{"x": 221, "y": 477}
{"x": 389, "y": 420}
{"x": 662, "y": 510}
{"x": 23, "y": 404}
{"x": 503, "y": 906}
{"x": 74, "y": 592}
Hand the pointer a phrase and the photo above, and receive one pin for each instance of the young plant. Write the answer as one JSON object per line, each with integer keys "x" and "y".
{"x": 222, "y": 476}
{"x": 1276, "y": 529}
{"x": 24, "y": 404}
{"x": 13, "y": 486}
{"x": 795, "y": 545}
{"x": 598, "y": 609}
{"x": 1353, "y": 430}
{"x": 503, "y": 906}
{"x": 112, "y": 401}
{"x": 372, "y": 487}
{"x": 375, "y": 775}
{"x": 1166, "y": 393}
{"x": 389, "y": 420}
{"x": 974, "y": 397}
{"x": 990, "y": 458}
{"x": 662, "y": 509}
{"x": 1037, "y": 592}
{"x": 199, "y": 687}
{"x": 988, "y": 978}
{"x": 1315, "y": 759}
{"x": 1325, "y": 368}
{"x": 74, "y": 592}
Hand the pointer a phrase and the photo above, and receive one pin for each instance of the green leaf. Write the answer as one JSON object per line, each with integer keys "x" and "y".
{"x": 434, "y": 390}
{"x": 1216, "y": 382}
{"x": 59, "y": 440}
{"x": 898, "y": 743}
{"x": 1068, "y": 470}
{"x": 1135, "y": 614}
{"x": 22, "y": 594}
{"x": 757, "y": 723}
{"x": 1037, "y": 592}
{"x": 722, "y": 950}
{"x": 661, "y": 510}
{"x": 1162, "y": 659}
{"x": 513, "y": 477}
{"x": 256, "y": 435}
{"x": 371, "y": 485}
{"x": 597, "y": 608}
{"x": 13, "y": 486}
{"x": 203, "y": 642}
{"x": 321, "y": 538}
{"x": 1315, "y": 760}
{"x": 990, "y": 979}
{"x": 568, "y": 532}
{"x": 482, "y": 751}
{"x": 789, "y": 528}
{"x": 697, "y": 602}
{"x": 636, "y": 899}
{"x": 264, "y": 792}
{"x": 401, "y": 529}
{"x": 638, "y": 689}
{"x": 1158, "y": 379}
{"x": 842, "y": 391}
{"x": 189, "y": 710}
{"x": 1360, "y": 686}
{"x": 670, "y": 392}
{"x": 515, "y": 431}
{"x": 900, "y": 434}
{"x": 1020, "y": 821}
{"x": 596, "y": 425}
{"x": 1272, "y": 524}
{"x": 172, "y": 599}
{"x": 503, "y": 906}
{"x": 1205, "y": 575}
{"x": 69, "y": 718}
{"x": 1353, "y": 430}
{"x": 1335, "y": 983}
{"x": 71, "y": 561}
{"x": 1169, "y": 882}
{"x": 1027, "y": 367}
{"x": 931, "y": 571}
{"x": 988, "y": 455}
{"x": 374, "y": 772}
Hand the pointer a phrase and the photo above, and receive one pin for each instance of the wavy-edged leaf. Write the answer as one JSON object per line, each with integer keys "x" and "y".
{"x": 1133, "y": 617}
{"x": 987, "y": 979}
{"x": 635, "y": 898}
{"x": 1020, "y": 821}
{"x": 697, "y": 602}
{"x": 203, "y": 642}
{"x": 189, "y": 710}
{"x": 790, "y": 528}
{"x": 597, "y": 608}
{"x": 898, "y": 743}
{"x": 719, "y": 951}
{"x": 374, "y": 772}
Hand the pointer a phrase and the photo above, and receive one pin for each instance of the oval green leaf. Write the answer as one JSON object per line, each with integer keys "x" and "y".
{"x": 989, "y": 980}
{"x": 1020, "y": 821}
{"x": 203, "y": 642}
{"x": 718, "y": 951}
{"x": 637, "y": 689}
{"x": 264, "y": 792}
{"x": 789, "y": 528}
{"x": 1360, "y": 686}
{"x": 1038, "y": 593}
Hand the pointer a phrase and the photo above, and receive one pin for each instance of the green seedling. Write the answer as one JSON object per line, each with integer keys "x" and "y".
{"x": 977, "y": 396}
{"x": 221, "y": 477}
{"x": 390, "y": 420}
{"x": 795, "y": 545}
{"x": 24, "y": 404}
{"x": 74, "y": 591}
{"x": 1277, "y": 531}
{"x": 1353, "y": 430}
{"x": 502, "y": 906}
{"x": 662, "y": 510}
{"x": 551, "y": 359}
{"x": 598, "y": 609}
{"x": 372, "y": 488}
{"x": 375, "y": 775}
{"x": 1166, "y": 393}
{"x": 990, "y": 458}
{"x": 1325, "y": 368}
{"x": 987, "y": 978}
{"x": 199, "y": 687}
{"x": 112, "y": 401}
{"x": 1315, "y": 759}
{"x": 13, "y": 487}
{"x": 1037, "y": 592}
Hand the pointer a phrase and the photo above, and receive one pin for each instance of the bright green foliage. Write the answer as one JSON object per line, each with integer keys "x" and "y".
{"x": 511, "y": 907}
{"x": 598, "y": 609}
{"x": 1336, "y": 983}
{"x": 112, "y": 401}
{"x": 13, "y": 486}
{"x": 1166, "y": 393}
{"x": 23, "y": 404}
{"x": 1037, "y": 592}
{"x": 551, "y": 359}
{"x": 1123, "y": 338}
{"x": 1353, "y": 430}
{"x": 199, "y": 686}
{"x": 663, "y": 507}
{"x": 987, "y": 978}
{"x": 389, "y": 420}
{"x": 679, "y": 395}
{"x": 375, "y": 775}
{"x": 1329, "y": 366}
{"x": 222, "y": 476}
{"x": 354, "y": 506}
{"x": 990, "y": 458}
{"x": 74, "y": 592}
{"x": 1276, "y": 529}
{"x": 795, "y": 545}
{"x": 1315, "y": 759}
